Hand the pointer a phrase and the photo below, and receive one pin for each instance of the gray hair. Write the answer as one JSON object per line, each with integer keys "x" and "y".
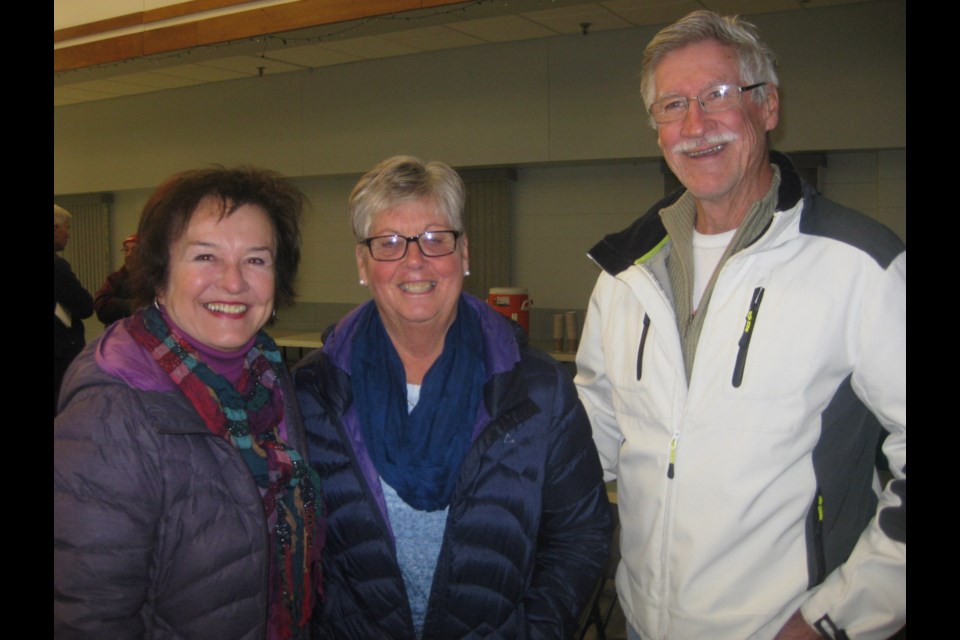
{"x": 60, "y": 216}
{"x": 401, "y": 179}
{"x": 757, "y": 62}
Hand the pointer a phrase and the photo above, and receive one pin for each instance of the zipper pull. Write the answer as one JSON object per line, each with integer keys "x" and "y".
{"x": 744, "y": 343}
{"x": 673, "y": 453}
{"x": 643, "y": 341}
{"x": 686, "y": 326}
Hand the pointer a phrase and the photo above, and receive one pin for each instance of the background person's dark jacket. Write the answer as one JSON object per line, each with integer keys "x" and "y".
{"x": 67, "y": 340}
{"x": 67, "y": 290}
{"x": 114, "y": 300}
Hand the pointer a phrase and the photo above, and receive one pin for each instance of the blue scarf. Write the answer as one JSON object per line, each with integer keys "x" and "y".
{"x": 418, "y": 453}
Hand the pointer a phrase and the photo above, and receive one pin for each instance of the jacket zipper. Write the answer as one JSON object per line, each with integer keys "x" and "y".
{"x": 673, "y": 453}
{"x": 643, "y": 342}
{"x": 818, "y": 542}
{"x": 664, "y": 591}
{"x": 747, "y": 334}
{"x": 828, "y": 629}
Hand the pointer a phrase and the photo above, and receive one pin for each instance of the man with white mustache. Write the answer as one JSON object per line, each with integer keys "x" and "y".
{"x": 744, "y": 348}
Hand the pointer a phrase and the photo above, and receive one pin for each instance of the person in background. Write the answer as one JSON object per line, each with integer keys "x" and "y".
{"x": 114, "y": 300}
{"x": 71, "y": 304}
{"x": 743, "y": 346}
{"x": 463, "y": 490}
{"x": 182, "y": 505}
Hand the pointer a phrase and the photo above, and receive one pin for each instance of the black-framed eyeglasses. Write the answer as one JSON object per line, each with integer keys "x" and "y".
{"x": 433, "y": 244}
{"x": 721, "y": 97}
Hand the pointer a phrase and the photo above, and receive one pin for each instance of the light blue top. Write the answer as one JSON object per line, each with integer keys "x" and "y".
{"x": 418, "y": 535}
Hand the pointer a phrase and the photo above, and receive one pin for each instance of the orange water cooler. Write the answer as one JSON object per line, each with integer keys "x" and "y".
{"x": 513, "y": 302}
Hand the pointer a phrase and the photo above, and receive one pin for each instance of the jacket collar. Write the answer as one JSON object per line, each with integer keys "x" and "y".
{"x": 645, "y": 237}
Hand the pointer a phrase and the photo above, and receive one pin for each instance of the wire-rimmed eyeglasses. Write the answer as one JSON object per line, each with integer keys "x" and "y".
{"x": 721, "y": 97}
{"x": 433, "y": 244}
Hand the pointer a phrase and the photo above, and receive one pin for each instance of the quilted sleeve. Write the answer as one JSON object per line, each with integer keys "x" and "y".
{"x": 573, "y": 542}
{"x": 106, "y": 501}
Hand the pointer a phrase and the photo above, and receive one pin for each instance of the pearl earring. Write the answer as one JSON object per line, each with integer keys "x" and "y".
{"x": 466, "y": 272}
{"x": 363, "y": 282}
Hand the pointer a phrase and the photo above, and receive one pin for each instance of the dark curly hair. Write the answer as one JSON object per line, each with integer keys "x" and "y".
{"x": 168, "y": 212}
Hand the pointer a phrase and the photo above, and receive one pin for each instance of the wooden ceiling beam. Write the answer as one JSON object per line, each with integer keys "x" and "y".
{"x": 242, "y": 24}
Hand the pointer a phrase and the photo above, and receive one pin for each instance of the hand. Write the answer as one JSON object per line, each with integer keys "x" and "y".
{"x": 797, "y": 628}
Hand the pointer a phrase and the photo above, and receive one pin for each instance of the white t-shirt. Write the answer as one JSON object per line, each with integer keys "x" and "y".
{"x": 707, "y": 251}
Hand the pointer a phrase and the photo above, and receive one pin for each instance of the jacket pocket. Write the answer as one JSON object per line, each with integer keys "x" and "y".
{"x": 743, "y": 345}
{"x": 816, "y": 558}
{"x": 643, "y": 343}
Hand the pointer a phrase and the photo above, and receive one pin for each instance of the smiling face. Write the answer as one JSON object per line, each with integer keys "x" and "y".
{"x": 415, "y": 292}
{"x": 721, "y": 157}
{"x": 220, "y": 281}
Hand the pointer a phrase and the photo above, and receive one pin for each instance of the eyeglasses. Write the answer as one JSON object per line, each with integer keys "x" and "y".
{"x": 433, "y": 244}
{"x": 721, "y": 97}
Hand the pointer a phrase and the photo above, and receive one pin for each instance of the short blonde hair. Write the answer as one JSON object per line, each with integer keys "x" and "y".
{"x": 401, "y": 179}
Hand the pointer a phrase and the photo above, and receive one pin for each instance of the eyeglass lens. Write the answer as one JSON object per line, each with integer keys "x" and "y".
{"x": 432, "y": 244}
{"x": 721, "y": 97}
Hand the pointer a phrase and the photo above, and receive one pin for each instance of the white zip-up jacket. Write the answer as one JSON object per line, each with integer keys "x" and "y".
{"x": 752, "y": 491}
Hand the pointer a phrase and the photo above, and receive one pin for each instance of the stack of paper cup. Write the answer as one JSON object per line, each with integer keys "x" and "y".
{"x": 558, "y": 332}
{"x": 572, "y": 333}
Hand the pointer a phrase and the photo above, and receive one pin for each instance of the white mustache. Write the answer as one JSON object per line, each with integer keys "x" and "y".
{"x": 685, "y": 146}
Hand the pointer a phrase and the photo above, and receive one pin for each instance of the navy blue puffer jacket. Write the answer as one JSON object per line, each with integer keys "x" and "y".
{"x": 529, "y": 525}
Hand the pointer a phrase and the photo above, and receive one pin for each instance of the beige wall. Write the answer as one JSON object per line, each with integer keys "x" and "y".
{"x": 872, "y": 182}
{"x": 559, "y": 99}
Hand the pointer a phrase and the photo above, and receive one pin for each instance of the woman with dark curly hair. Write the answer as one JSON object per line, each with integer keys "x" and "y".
{"x": 182, "y": 503}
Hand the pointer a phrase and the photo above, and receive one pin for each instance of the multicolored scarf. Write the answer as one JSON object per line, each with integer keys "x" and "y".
{"x": 248, "y": 415}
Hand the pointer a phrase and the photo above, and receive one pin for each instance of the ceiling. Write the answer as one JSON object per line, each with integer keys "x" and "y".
{"x": 464, "y": 24}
